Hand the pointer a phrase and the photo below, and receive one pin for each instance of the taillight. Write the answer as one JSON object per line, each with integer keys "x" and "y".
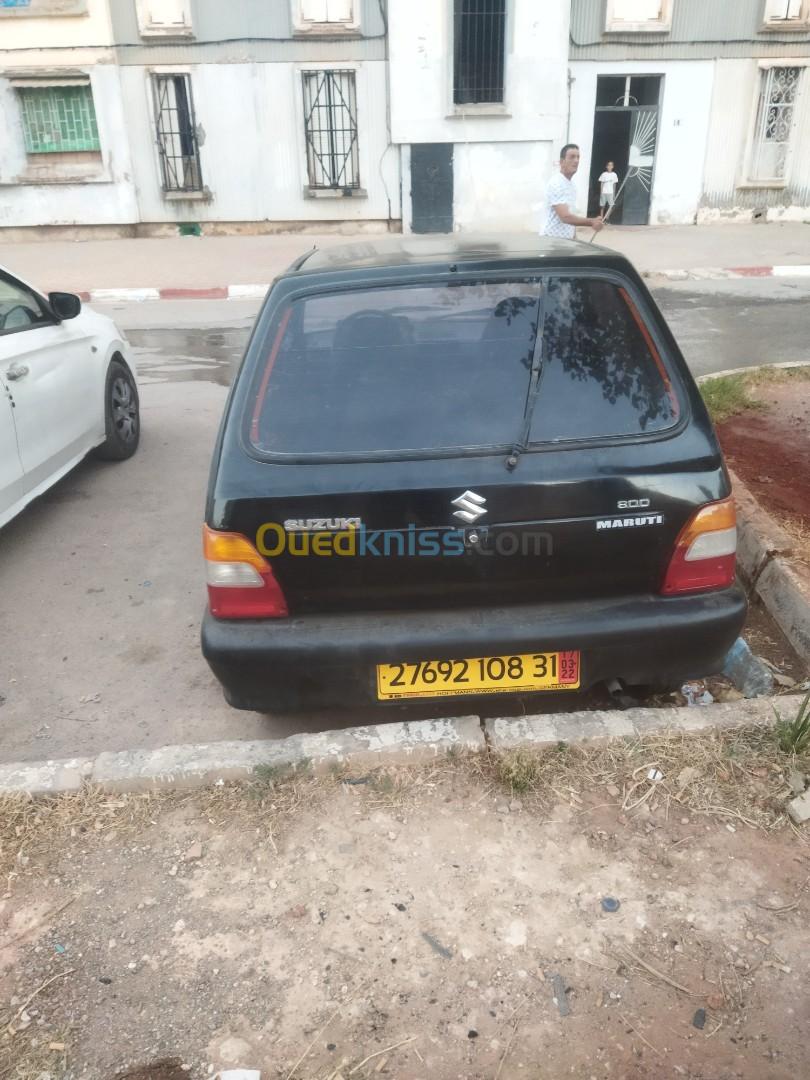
{"x": 705, "y": 552}
{"x": 241, "y": 584}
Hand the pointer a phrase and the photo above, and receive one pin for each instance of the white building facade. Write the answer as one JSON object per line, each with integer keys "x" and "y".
{"x": 704, "y": 107}
{"x": 478, "y": 109}
{"x": 271, "y": 114}
{"x": 145, "y": 116}
{"x": 191, "y": 113}
{"x": 64, "y": 150}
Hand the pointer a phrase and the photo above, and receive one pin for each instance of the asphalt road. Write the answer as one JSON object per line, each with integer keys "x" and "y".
{"x": 101, "y": 579}
{"x": 718, "y": 324}
{"x": 731, "y": 324}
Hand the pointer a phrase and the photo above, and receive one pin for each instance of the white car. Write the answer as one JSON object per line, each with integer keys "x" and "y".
{"x": 67, "y": 387}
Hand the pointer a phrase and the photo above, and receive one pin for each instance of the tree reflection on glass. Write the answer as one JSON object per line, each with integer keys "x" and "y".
{"x": 591, "y": 337}
{"x": 514, "y": 321}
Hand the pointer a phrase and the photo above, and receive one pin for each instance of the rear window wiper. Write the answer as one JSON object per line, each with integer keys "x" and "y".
{"x": 535, "y": 370}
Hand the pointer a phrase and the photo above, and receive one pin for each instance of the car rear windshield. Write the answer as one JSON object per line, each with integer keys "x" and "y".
{"x": 442, "y": 366}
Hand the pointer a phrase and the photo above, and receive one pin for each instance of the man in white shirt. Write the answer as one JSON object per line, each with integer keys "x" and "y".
{"x": 561, "y": 200}
{"x": 609, "y": 179}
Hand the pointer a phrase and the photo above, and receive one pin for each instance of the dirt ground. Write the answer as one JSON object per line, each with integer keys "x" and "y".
{"x": 770, "y": 449}
{"x": 444, "y": 921}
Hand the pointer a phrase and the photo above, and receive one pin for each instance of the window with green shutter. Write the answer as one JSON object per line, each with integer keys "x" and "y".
{"x": 58, "y": 119}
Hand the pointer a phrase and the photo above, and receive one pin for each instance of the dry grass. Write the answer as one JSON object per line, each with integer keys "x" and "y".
{"x": 799, "y": 533}
{"x": 27, "y": 1055}
{"x": 34, "y": 832}
{"x": 265, "y": 804}
{"x": 34, "y": 829}
{"x": 737, "y": 775}
{"x": 518, "y": 772}
{"x": 394, "y": 788}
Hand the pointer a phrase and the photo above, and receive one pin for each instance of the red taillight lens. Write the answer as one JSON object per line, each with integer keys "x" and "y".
{"x": 705, "y": 552}
{"x": 241, "y": 584}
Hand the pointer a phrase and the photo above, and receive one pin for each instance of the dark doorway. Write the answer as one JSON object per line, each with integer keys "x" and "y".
{"x": 611, "y": 142}
{"x": 625, "y": 131}
{"x": 432, "y": 187}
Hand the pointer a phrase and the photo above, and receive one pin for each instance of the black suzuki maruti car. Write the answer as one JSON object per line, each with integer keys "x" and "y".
{"x": 464, "y": 466}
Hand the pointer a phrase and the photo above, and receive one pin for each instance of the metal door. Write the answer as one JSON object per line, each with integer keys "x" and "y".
{"x": 626, "y": 132}
{"x": 432, "y": 187}
{"x": 638, "y": 191}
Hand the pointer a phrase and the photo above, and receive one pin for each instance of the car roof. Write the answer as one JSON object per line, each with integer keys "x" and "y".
{"x": 454, "y": 249}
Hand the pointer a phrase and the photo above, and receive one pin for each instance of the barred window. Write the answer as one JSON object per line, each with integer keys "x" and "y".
{"x": 330, "y": 123}
{"x": 58, "y": 119}
{"x": 178, "y": 148}
{"x": 479, "y": 42}
{"x": 774, "y": 125}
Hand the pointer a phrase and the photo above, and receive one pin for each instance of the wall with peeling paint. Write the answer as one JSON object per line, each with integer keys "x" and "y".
{"x": 728, "y": 194}
{"x": 92, "y": 189}
{"x": 68, "y": 37}
{"x": 683, "y": 127}
{"x": 503, "y": 154}
{"x": 249, "y": 108}
{"x": 253, "y": 152}
{"x": 500, "y": 185}
{"x": 55, "y": 24}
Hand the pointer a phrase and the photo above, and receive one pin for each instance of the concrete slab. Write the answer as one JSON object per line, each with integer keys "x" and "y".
{"x": 247, "y": 292}
{"x": 124, "y": 295}
{"x": 538, "y": 732}
{"x": 45, "y": 777}
{"x": 764, "y": 555}
{"x": 784, "y": 587}
{"x": 409, "y": 742}
{"x": 799, "y": 808}
{"x": 201, "y": 765}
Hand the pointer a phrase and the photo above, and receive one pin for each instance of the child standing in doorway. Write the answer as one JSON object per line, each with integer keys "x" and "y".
{"x": 607, "y": 195}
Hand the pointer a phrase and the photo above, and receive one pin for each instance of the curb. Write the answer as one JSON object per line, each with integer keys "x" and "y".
{"x": 138, "y": 296}
{"x": 765, "y": 551}
{"x": 110, "y": 296}
{"x": 765, "y": 556}
{"x": 783, "y": 365}
{"x": 512, "y": 733}
{"x": 714, "y": 273}
{"x": 204, "y": 764}
{"x": 258, "y": 291}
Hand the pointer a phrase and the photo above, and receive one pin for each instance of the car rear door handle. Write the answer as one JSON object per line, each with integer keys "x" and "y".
{"x": 16, "y": 371}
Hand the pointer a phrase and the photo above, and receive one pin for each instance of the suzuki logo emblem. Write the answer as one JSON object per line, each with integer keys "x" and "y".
{"x": 470, "y": 507}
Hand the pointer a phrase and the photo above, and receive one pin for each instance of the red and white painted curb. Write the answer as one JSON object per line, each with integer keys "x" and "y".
{"x": 258, "y": 291}
{"x": 714, "y": 273}
{"x": 137, "y": 296}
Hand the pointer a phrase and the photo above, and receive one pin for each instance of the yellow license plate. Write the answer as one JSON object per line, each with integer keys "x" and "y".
{"x": 480, "y": 675}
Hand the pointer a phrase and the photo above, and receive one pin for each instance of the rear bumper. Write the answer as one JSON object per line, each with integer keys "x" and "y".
{"x": 318, "y": 661}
